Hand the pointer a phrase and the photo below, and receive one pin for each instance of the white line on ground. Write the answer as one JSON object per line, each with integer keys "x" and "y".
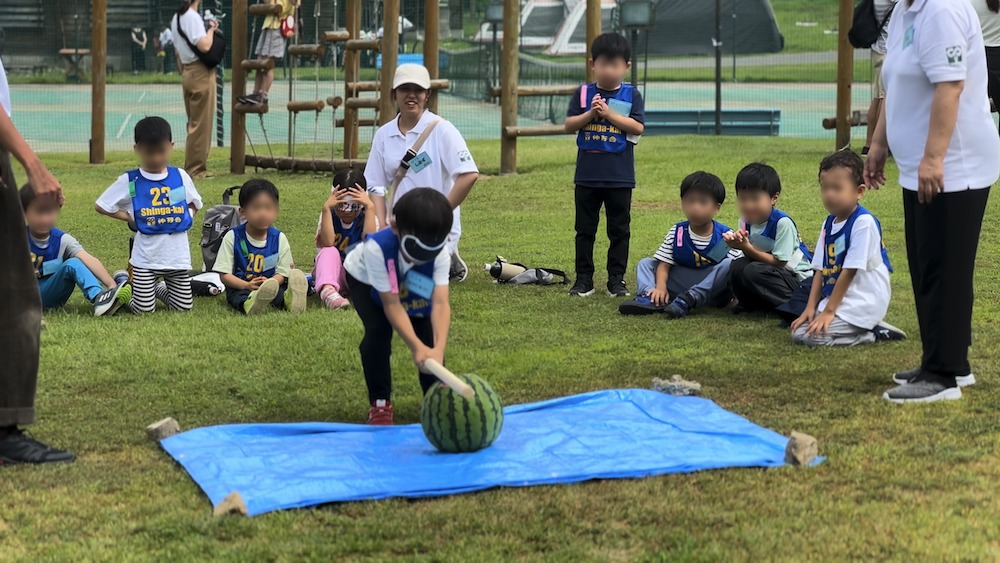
{"x": 124, "y": 125}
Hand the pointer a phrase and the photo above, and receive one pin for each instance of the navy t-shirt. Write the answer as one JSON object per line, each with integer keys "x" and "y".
{"x": 602, "y": 169}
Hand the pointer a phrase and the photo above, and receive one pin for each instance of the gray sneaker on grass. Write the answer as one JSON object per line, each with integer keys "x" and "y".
{"x": 922, "y": 392}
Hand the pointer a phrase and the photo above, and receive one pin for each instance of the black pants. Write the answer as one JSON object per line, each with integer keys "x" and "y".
{"x": 617, "y": 204}
{"x": 237, "y": 298}
{"x": 20, "y": 309}
{"x": 376, "y": 345}
{"x": 138, "y": 58}
{"x": 993, "y": 73}
{"x": 760, "y": 286}
{"x": 941, "y": 242}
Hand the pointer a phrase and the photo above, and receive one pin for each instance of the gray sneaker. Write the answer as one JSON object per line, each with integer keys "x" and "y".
{"x": 922, "y": 392}
{"x": 459, "y": 269}
{"x": 904, "y": 377}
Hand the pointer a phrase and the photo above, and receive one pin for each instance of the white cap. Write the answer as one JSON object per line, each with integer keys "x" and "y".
{"x": 412, "y": 74}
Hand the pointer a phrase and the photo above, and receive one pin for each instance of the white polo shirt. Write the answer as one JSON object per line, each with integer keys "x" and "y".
{"x": 4, "y": 90}
{"x": 194, "y": 27}
{"x": 445, "y": 148}
{"x": 930, "y": 42}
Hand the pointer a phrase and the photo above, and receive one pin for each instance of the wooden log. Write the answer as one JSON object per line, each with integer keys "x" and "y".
{"x": 264, "y": 9}
{"x": 257, "y": 64}
{"x": 362, "y": 122}
{"x": 515, "y": 131}
{"x": 357, "y": 103}
{"x": 363, "y": 45}
{"x": 286, "y": 163}
{"x": 336, "y": 36}
{"x": 857, "y": 119}
{"x": 567, "y": 90}
{"x": 510, "y": 69}
{"x": 352, "y": 61}
{"x": 432, "y": 30}
{"x": 593, "y": 30}
{"x": 99, "y": 51}
{"x": 845, "y": 75}
{"x": 237, "y": 120}
{"x": 306, "y": 105}
{"x": 373, "y": 85}
{"x": 249, "y": 108}
{"x": 390, "y": 56}
{"x": 335, "y": 101}
{"x": 306, "y": 50}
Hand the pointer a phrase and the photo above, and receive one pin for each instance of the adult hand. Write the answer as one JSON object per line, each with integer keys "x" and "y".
{"x": 875, "y": 166}
{"x": 930, "y": 178}
{"x": 44, "y": 183}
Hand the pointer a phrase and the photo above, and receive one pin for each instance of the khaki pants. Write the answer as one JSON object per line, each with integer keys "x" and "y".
{"x": 20, "y": 309}
{"x": 199, "y": 102}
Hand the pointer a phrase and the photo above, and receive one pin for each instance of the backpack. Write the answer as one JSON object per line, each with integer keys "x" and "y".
{"x": 865, "y": 28}
{"x": 218, "y": 220}
{"x": 215, "y": 54}
{"x": 512, "y": 273}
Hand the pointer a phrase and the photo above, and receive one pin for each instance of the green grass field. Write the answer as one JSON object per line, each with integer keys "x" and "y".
{"x": 907, "y": 483}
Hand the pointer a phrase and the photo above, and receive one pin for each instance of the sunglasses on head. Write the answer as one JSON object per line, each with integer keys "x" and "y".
{"x": 414, "y": 250}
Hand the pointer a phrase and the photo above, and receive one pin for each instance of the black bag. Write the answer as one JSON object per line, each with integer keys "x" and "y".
{"x": 215, "y": 55}
{"x": 218, "y": 220}
{"x": 866, "y": 29}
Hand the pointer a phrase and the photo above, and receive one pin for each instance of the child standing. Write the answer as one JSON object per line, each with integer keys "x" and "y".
{"x": 775, "y": 260}
{"x": 850, "y": 292}
{"x": 62, "y": 264}
{"x": 255, "y": 259}
{"x": 159, "y": 201}
{"x": 347, "y": 219}
{"x": 691, "y": 266}
{"x": 607, "y": 117}
{"x": 399, "y": 282}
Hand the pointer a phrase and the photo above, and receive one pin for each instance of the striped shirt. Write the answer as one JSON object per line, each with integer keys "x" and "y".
{"x": 666, "y": 251}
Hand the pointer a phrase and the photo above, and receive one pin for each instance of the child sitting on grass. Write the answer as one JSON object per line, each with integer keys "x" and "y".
{"x": 346, "y": 221}
{"x": 159, "y": 201}
{"x": 850, "y": 293}
{"x": 255, "y": 259}
{"x": 399, "y": 282}
{"x": 62, "y": 264}
{"x": 691, "y": 266}
{"x": 775, "y": 260}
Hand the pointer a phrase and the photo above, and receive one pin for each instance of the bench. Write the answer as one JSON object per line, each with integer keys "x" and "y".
{"x": 744, "y": 122}
{"x": 22, "y": 14}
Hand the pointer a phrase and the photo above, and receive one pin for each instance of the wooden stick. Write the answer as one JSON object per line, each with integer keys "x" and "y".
{"x": 449, "y": 379}
{"x": 265, "y": 9}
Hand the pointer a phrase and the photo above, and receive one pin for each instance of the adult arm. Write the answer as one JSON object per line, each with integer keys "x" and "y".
{"x": 41, "y": 180}
{"x": 375, "y": 176}
{"x": 944, "y": 114}
{"x": 205, "y": 43}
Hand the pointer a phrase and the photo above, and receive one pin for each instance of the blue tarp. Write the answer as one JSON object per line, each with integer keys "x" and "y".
{"x": 613, "y": 434}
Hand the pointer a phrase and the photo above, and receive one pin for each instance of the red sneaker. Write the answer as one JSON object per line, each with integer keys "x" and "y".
{"x": 381, "y": 413}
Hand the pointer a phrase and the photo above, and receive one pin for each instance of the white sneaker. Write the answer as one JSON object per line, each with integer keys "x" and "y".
{"x": 459, "y": 269}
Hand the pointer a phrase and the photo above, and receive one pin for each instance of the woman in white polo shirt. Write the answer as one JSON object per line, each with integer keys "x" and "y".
{"x": 443, "y": 162}
{"x": 937, "y": 122}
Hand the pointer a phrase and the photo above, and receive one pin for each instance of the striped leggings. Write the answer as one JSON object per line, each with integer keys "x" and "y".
{"x": 175, "y": 292}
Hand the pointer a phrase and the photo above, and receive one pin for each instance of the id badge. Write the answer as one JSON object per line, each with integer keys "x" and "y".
{"x": 177, "y": 196}
{"x": 270, "y": 262}
{"x": 620, "y": 107}
{"x": 419, "y": 162}
{"x": 419, "y": 284}
{"x": 839, "y": 246}
{"x": 51, "y": 267}
{"x": 718, "y": 252}
{"x": 762, "y": 243}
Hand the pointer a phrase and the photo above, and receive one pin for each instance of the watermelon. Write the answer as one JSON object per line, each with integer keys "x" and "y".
{"x": 455, "y": 424}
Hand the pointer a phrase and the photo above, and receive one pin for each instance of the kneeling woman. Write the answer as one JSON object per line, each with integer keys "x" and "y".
{"x": 399, "y": 282}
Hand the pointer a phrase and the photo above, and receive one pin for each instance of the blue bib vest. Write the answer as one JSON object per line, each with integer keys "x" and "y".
{"x": 600, "y": 135}
{"x": 346, "y": 239}
{"x": 771, "y": 230}
{"x": 415, "y": 305}
{"x": 250, "y": 261}
{"x": 835, "y": 251}
{"x": 46, "y": 260}
{"x": 688, "y": 255}
{"x": 160, "y": 206}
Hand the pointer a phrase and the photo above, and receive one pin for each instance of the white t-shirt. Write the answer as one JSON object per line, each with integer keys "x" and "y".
{"x": 4, "y": 90}
{"x": 367, "y": 264}
{"x": 153, "y": 252}
{"x": 225, "y": 262}
{"x": 166, "y": 38}
{"x": 666, "y": 251}
{"x": 989, "y": 21}
{"x": 882, "y": 8}
{"x": 194, "y": 27}
{"x": 930, "y": 42}
{"x": 446, "y": 149}
{"x": 867, "y": 299}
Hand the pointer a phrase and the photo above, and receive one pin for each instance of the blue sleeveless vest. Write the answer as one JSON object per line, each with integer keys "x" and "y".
{"x": 771, "y": 229}
{"x": 833, "y": 261}
{"x": 346, "y": 239}
{"x": 414, "y": 304}
{"x": 688, "y": 255}
{"x": 160, "y": 206}
{"x": 600, "y": 135}
{"x": 47, "y": 260}
{"x": 250, "y": 261}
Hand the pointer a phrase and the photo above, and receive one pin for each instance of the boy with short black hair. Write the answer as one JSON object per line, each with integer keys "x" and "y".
{"x": 255, "y": 259}
{"x": 158, "y": 201}
{"x": 61, "y": 263}
{"x": 850, "y": 290}
{"x": 607, "y": 117}
{"x": 691, "y": 266}
{"x": 775, "y": 260}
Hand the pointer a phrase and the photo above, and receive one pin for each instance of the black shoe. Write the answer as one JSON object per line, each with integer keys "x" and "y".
{"x": 641, "y": 305}
{"x": 909, "y": 376}
{"x": 617, "y": 287}
{"x": 885, "y": 332}
{"x": 584, "y": 287}
{"x": 19, "y": 447}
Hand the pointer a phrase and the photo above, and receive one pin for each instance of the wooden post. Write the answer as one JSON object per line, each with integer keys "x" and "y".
{"x": 593, "y": 30}
{"x": 238, "y": 120}
{"x": 508, "y": 83}
{"x": 98, "y": 77}
{"x": 845, "y": 75}
{"x": 351, "y": 63}
{"x": 390, "y": 52}
{"x": 432, "y": 30}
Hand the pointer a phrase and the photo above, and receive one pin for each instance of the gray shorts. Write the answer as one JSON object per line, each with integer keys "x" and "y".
{"x": 271, "y": 44}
